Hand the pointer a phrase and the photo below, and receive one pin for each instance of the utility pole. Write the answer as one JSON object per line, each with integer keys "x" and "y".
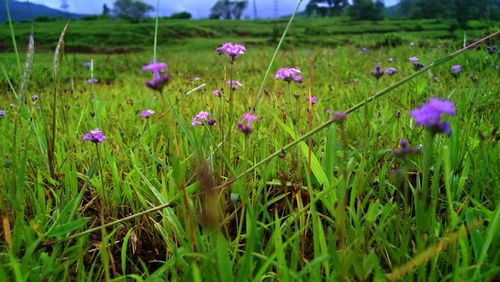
{"x": 254, "y": 10}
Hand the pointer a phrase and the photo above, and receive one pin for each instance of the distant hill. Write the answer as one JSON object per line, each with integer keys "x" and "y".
{"x": 393, "y": 11}
{"x": 21, "y": 11}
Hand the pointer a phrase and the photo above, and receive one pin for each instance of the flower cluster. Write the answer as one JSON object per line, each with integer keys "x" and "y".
{"x": 289, "y": 75}
{"x": 416, "y": 65}
{"x": 92, "y": 81}
{"x": 429, "y": 115}
{"x": 405, "y": 149}
{"x": 2, "y": 113}
{"x": 159, "y": 78}
{"x": 491, "y": 49}
{"x": 94, "y": 136}
{"x": 234, "y": 84}
{"x": 231, "y": 50}
{"x": 202, "y": 118}
{"x": 217, "y": 93}
{"x": 456, "y": 70}
{"x": 312, "y": 99}
{"x": 147, "y": 113}
{"x": 246, "y": 124}
{"x": 391, "y": 71}
{"x": 378, "y": 72}
{"x": 87, "y": 65}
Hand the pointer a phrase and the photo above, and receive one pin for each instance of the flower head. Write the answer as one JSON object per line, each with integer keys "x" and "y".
{"x": 231, "y": 50}
{"x": 390, "y": 60}
{"x": 159, "y": 78}
{"x": 147, "y": 113}
{"x": 87, "y": 64}
{"x": 201, "y": 119}
{"x": 217, "y": 93}
{"x": 2, "y": 113}
{"x": 429, "y": 115}
{"x": 234, "y": 84}
{"x": 196, "y": 78}
{"x": 339, "y": 116}
{"x": 95, "y": 136}
{"x": 289, "y": 75}
{"x": 456, "y": 70}
{"x": 391, "y": 71}
{"x": 246, "y": 123}
{"x": 34, "y": 98}
{"x": 92, "y": 81}
{"x": 405, "y": 149}
{"x": 377, "y": 73}
{"x": 491, "y": 49}
{"x": 312, "y": 99}
{"x": 416, "y": 65}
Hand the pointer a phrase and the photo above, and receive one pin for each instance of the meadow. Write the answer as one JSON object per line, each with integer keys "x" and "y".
{"x": 328, "y": 177}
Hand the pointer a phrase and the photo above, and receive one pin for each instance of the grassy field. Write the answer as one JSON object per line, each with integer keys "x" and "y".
{"x": 341, "y": 205}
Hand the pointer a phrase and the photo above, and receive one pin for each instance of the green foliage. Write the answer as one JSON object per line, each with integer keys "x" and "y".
{"x": 131, "y": 10}
{"x": 228, "y": 9}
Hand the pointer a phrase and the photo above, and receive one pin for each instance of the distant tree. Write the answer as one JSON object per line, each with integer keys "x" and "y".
{"x": 105, "y": 10}
{"x": 326, "y": 7}
{"x": 367, "y": 10}
{"x": 181, "y": 15}
{"x": 228, "y": 9}
{"x": 132, "y": 10}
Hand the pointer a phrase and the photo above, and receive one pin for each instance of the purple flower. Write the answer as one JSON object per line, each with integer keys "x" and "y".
{"x": 312, "y": 99}
{"x": 429, "y": 115}
{"x": 217, "y": 93}
{"x": 2, "y": 113}
{"x": 391, "y": 71}
{"x": 289, "y": 74}
{"x": 246, "y": 124}
{"x": 95, "y": 136}
{"x": 377, "y": 73}
{"x": 34, "y": 98}
{"x": 231, "y": 50}
{"x": 405, "y": 149}
{"x": 201, "y": 119}
{"x": 234, "y": 84}
{"x": 159, "y": 78}
{"x": 328, "y": 111}
{"x": 456, "y": 70}
{"x": 491, "y": 49}
{"x": 196, "y": 78}
{"x": 416, "y": 65}
{"x": 92, "y": 81}
{"x": 147, "y": 113}
{"x": 87, "y": 64}
{"x": 339, "y": 116}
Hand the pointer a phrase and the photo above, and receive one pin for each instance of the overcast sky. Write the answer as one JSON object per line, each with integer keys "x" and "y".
{"x": 198, "y": 8}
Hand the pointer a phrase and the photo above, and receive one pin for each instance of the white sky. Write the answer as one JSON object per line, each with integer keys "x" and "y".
{"x": 198, "y": 8}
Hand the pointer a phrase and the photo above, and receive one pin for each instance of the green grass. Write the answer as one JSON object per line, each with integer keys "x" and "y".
{"x": 348, "y": 219}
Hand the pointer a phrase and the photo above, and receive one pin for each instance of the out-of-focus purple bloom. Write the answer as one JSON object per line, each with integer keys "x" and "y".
{"x": 92, "y": 81}
{"x": 456, "y": 70}
{"x": 429, "y": 115}
{"x": 34, "y": 98}
{"x": 87, "y": 64}
{"x": 289, "y": 75}
{"x": 159, "y": 78}
{"x": 246, "y": 124}
{"x": 200, "y": 119}
{"x": 147, "y": 113}
{"x": 377, "y": 73}
{"x": 416, "y": 65}
{"x": 95, "y": 136}
{"x": 217, "y": 93}
{"x": 339, "y": 116}
{"x": 234, "y": 84}
{"x": 231, "y": 50}
{"x": 328, "y": 111}
{"x": 405, "y": 149}
{"x": 312, "y": 99}
{"x": 390, "y": 60}
{"x": 2, "y": 113}
{"x": 196, "y": 78}
{"x": 211, "y": 121}
{"x": 491, "y": 49}
{"x": 391, "y": 71}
